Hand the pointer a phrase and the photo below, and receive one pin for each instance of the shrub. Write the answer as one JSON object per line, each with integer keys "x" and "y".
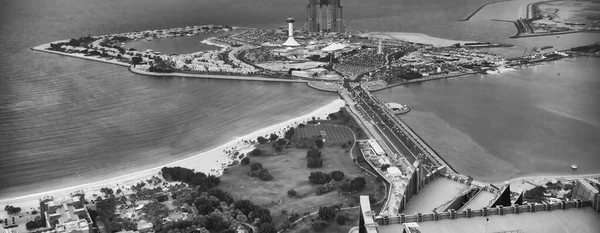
{"x": 355, "y": 185}
{"x": 305, "y": 142}
{"x": 162, "y": 198}
{"x": 385, "y": 167}
{"x": 273, "y": 137}
{"x": 190, "y": 177}
{"x": 256, "y": 166}
{"x": 292, "y": 193}
{"x": 319, "y": 178}
{"x": 245, "y": 161}
{"x": 289, "y": 133}
{"x": 313, "y": 153}
{"x": 337, "y": 175}
{"x": 318, "y": 226}
{"x": 319, "y": 143}
{"x": 281, "y": 142}
{"x": 321, "y": 189}
{"x": 293, "y": 217}
{"x": 261, "y": 140}
{"x": 262, "y": 174}
{"x": 267, "y": 228}
{"x": 326, "y": 213}
{"x": 258, "y": 152}
{"x": 314, "y": 163}
{"x": 341, "y": 219}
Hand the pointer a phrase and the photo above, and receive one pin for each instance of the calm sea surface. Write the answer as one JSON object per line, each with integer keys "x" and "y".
{"x": 519, "y": 123}
{"x": 60, "y": 117}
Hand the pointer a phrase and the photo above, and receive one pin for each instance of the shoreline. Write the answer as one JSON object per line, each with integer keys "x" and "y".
{"x": 545, "y": 177}
{"x": 43, "y": 48}
{"x": 215, "y": 76}
{"x": 201, "y": 162}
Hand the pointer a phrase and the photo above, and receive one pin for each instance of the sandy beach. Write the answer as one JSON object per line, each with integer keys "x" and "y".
{"x": 212, "y": 161}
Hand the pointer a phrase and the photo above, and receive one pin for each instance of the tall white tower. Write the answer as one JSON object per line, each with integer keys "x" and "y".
{"x": 291, "y": 41}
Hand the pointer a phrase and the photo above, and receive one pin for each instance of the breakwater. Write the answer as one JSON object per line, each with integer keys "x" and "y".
{"x": 481, "y": 7}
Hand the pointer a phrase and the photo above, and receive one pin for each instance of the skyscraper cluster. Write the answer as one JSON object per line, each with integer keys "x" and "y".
{"x": 325, "y": 16}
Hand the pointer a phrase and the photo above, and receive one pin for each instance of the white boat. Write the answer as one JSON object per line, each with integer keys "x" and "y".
{"x": 574, "y": 167}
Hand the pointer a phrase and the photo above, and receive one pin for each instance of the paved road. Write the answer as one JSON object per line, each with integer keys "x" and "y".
{"x": 386, "y": 127}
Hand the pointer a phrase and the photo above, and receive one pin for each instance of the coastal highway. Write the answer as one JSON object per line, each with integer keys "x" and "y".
{"x": 386, "y": 127}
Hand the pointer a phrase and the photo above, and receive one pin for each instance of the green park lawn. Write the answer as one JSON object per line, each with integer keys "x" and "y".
{"x": 290, "y": 171}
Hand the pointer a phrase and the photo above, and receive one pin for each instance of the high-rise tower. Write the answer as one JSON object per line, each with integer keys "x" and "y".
{"x": 291, "y": 41}
{"x": 325, "y": 16}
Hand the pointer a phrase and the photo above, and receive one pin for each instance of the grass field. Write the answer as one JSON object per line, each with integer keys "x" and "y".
{"x": 290, "y": 172}
{"x": 331, "y": 133}
{"x": 305, "y": 225}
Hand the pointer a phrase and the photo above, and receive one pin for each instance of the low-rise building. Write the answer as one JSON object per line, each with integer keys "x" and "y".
{"x": 67, "y": 214}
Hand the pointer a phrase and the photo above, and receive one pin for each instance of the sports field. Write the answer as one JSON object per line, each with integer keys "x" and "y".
{"x": 331, "y": 133}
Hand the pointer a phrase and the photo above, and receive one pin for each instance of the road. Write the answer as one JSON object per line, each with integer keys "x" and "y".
{"x": 390, "y": 132}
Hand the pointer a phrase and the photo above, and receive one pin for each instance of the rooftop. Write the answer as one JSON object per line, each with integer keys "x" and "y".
{"x": 481, "y": 200}
{"x": 583, "y": 220}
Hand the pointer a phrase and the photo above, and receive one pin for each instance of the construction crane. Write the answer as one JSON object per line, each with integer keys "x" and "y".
{"x": 532, "y": 50}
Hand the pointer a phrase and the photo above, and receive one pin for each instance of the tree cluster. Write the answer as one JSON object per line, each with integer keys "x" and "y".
{"x": 258, "y": 152}
{"x": 318, "y": 226}
{"x": 314, "y": 163}
{"x": 355, "y": 185}
{"x": 190, "y": 177}
{"x": 319, "y": 143}
{"x": 216, "y": 211}
{"x": 323, "y": 178}
{"x": 313, "y": 153}
{"x": 262, "y": 140}
{"x": 245, "y": 161}
{"x": 281, "y": 142}
{"x": 314, "y": 158}
{"x": 107, "y": 191}
{"x": 307, "y": 142}
{"x": 327, "y": 213}
{"x": 337, "y": 175}
{"x": 257, "y": 170}
{"x": 289, "y": 133}
{"x": 273, "y": 137}
{"x": 12, "y": 209}
{"x": 36, "y": 223}
{"x": 328, "y": 187}
{"x": 319, "y": 178}
{"x": 105, "y": 210}
{"x": 536, "y": 194}
{"x": 262, "y": 174}
{"x": 254, "y": 212}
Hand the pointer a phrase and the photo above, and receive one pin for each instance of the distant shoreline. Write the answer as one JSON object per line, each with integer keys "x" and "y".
{"x": 44, "y": 48}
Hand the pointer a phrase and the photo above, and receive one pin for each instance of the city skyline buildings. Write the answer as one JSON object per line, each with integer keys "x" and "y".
{"x": 325, "y": 16}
